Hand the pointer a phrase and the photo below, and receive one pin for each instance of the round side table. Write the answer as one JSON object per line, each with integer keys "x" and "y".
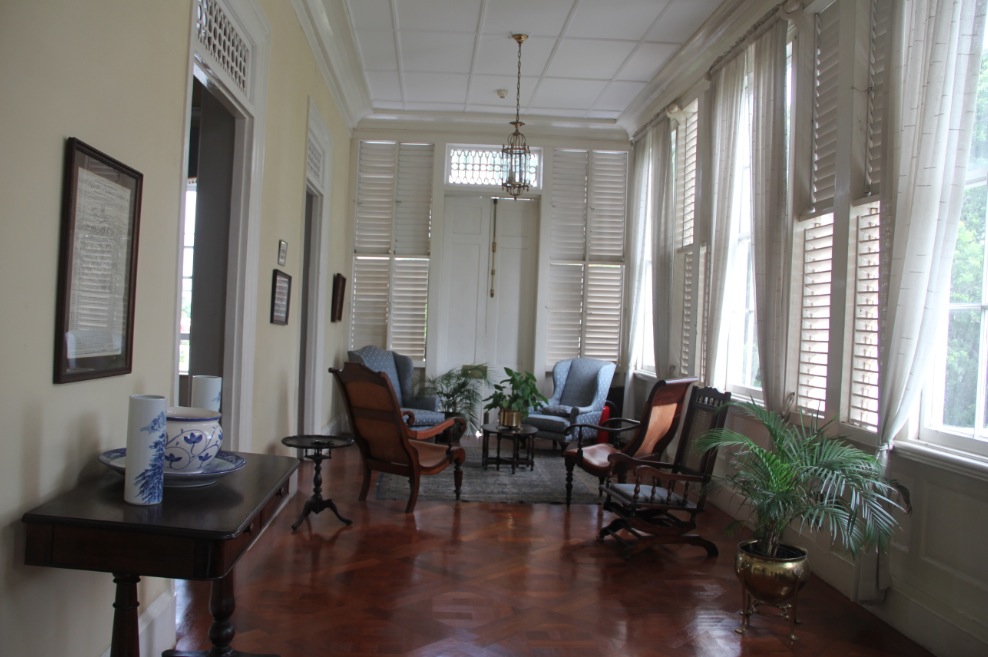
{"x": 317, "y": 449}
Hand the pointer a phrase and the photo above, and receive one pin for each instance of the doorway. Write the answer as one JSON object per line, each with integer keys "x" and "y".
{"x": 205, "y": 250}
{"x": 491, "y": 248}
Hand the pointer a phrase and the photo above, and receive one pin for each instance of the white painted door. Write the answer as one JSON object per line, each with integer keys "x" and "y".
{"x": 490, "y": 283}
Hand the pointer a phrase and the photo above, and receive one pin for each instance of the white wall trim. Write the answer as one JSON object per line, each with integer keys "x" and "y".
{"x": 245, "y": 205}
{"x": 319, "y": 285}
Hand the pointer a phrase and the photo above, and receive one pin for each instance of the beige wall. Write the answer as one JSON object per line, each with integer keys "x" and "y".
{"x": 114, "y": 73}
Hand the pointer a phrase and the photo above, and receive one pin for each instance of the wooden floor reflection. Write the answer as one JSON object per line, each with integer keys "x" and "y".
{"x": 499, "y": 580}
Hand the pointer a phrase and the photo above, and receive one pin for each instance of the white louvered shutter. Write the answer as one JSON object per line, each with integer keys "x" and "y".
{"x": 879, "y": 44}
{"x": 686, "y": 157}
{"x": 391, "y": 247}
{"x": 824, "y": 138}
{"x": 586, "y": 253}
{"x": 863, "y": 398}
{"x": 814, "y": 327}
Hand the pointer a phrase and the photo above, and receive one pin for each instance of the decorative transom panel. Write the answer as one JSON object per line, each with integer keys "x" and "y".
{"x": 223, "y": 41}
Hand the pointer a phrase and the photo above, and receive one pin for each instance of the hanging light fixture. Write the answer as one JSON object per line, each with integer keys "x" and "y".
{"x": 515, "y": 151}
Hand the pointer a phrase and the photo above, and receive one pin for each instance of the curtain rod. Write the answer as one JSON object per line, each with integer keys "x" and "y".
{"x": 755, "y": 31}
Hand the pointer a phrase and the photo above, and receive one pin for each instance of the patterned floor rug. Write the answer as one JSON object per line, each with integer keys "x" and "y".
{"x": 545, "y": 484}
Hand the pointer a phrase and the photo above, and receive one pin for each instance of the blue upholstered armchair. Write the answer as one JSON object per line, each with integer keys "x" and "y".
{"x": 399, "y": 370}
{"x": 579, "y": 390}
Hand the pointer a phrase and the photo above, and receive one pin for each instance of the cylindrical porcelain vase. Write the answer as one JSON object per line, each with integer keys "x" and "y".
{"x": 144, "y": 475}
{"x": 207, "y": 391}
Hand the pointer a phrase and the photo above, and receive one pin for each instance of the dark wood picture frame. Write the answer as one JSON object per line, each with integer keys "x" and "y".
{"x": 97, "y": 265}
{"x": 339, "y": 289}
{"x": 281, "y": 296}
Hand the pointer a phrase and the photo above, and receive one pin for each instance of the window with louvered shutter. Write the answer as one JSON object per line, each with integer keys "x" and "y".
{"x": 393, "y": 216}
{"x": 824, "y": 136}
{"x": 587, "y": 254}
{"x": 814, "y": 319}
{"x": 863, "y": 395}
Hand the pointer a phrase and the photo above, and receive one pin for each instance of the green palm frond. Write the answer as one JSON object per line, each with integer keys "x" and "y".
{"x": 823, "y": 482}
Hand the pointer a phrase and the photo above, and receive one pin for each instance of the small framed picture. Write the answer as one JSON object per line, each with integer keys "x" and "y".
{"x": 281, "y": 293}
{"x": 282, "y": 253}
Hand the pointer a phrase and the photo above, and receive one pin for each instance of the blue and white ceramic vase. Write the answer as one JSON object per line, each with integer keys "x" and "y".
{"x": 194, "y": 439}
{"x": 207, "y": 391}
{"x": 144, "y": 474}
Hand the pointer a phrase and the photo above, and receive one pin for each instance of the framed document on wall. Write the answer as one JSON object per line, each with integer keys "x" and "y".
{"x": 97, "y": 265}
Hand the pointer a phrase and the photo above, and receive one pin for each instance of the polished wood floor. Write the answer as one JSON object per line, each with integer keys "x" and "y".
{"x": 499, "y": 580}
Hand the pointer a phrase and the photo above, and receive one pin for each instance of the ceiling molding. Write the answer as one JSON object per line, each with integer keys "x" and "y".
{"x": 690, "y": 64}
{"x": 327, "y": 29}
{"x": 458, "y": 123}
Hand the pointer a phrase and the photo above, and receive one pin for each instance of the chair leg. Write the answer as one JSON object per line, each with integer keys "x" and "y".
{"x": 413, "y": 483}
{"x": 365, "y": 486}
{"x": 457, "y": 478}
{"x": 569, "y": 481}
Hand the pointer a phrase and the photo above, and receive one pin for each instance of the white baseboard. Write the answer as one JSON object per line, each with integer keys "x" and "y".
{"x": 156, "y": 626}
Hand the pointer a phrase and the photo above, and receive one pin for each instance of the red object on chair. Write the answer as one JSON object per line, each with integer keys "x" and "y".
{"x": 605, "y": 415}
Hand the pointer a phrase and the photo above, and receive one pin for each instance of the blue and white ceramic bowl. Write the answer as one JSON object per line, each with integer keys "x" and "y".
{"x": 194, "y": 438}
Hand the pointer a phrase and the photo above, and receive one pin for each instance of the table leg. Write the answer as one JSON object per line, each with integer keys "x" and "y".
{"x": 124, "y": 642}
{"x": 221, "y": 605}
{"x": 316, "y": 503}
{"x": 514, "y": 454}
{"x": 485, "y": 442}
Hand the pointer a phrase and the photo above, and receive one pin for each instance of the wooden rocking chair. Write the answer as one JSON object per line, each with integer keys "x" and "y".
{"x": 660, "y": 501}
{"x": 382, "y": 431}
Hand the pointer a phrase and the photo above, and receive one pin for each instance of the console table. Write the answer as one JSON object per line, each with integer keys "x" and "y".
{"x": 195, "y": 533}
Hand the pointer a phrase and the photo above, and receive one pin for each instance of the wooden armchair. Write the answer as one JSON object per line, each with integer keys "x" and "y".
{"x": 381, "y": 429}
{"x": 660, "y": 502}
{"x": 652, "y": 433}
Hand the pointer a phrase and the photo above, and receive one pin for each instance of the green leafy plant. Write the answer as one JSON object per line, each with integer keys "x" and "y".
{"x": 806, "y": 475}
{"x": 519, "y": 391}
{"x": 460, "y": 390}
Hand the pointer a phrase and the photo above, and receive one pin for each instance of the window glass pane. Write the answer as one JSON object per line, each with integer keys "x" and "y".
{"x": 961, "y": 387}
{"x": 966, "y": 278}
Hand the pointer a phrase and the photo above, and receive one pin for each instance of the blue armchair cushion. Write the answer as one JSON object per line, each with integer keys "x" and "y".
{"x": 399, "y": 369}
{"x": 580, "y": 387}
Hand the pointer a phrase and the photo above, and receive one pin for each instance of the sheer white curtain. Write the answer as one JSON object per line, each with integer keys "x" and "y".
{"x": 727, "y": 85}
{"x": 651, "y": 162}
{"x": 770, "y": 224}
{"x": 663, "y": 244}
{"x": 935, "y": 74}
{"x": 640, "y": 194}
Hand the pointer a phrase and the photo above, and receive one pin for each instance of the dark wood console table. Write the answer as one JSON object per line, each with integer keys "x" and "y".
{"x": 195, "y": 533}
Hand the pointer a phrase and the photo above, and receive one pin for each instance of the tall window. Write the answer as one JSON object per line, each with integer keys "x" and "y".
{"x": 188, "y": 249}
{"x": 391, "y": 247}
{"x": 739, "y": 313}
{"x": 587, "y": 254}
{"x": 957, "y": 400}
{"x": 688, "y": 254}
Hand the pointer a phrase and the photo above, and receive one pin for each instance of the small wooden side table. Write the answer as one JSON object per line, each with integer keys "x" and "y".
{"x": 523, "y": 435}
{"x": 317, "y": 449}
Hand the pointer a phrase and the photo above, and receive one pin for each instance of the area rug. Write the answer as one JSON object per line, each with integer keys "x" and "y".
{"x": 545, "y": 484}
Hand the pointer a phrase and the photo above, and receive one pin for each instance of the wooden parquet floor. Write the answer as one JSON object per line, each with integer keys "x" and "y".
{"x": 503, "y": 580}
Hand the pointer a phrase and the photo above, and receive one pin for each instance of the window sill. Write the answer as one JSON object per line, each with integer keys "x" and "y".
{"x": 938, "y": 456}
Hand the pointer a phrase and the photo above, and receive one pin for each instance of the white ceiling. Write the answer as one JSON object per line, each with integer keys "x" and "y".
{"x": 584, "y": 59}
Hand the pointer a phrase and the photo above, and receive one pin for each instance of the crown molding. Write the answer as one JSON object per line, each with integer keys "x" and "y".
{"x": 327, "y": 29}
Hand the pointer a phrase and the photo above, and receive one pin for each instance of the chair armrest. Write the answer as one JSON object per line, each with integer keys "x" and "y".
{"x": 409, "y": 416}
{"x": 622, "y": 460}
{"x": 643, "y": 471}
{"x": 613, "y": 425}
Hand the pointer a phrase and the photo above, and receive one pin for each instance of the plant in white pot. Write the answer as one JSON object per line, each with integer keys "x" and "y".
{"x": 806, "y": 478}
{"x": 514, "y": 397}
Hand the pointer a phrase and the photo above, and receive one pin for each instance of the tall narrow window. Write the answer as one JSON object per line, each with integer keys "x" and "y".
{"x": 392, "y": 246}
{"x": 687, "y": 248}
{"x": 188, "y": 249}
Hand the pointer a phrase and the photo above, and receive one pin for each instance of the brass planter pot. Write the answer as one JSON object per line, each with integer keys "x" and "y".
{"x": 508, "y": 418}
{"x": 771, "y": 580}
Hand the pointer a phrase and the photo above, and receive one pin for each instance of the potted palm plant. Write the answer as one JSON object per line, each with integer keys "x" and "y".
{"x": 460, "y": 391}
{"x": 514, "y": 397}
{"x": 803, "y": 475}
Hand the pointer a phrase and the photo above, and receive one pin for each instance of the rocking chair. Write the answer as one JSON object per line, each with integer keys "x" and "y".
{"x": 661, "y": 503}
{"x": 653, "y": 433}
